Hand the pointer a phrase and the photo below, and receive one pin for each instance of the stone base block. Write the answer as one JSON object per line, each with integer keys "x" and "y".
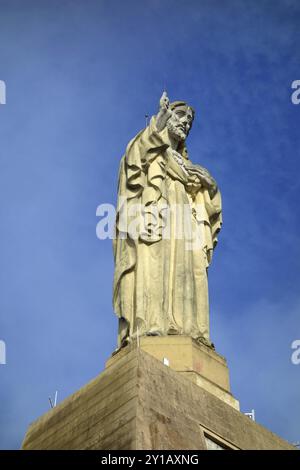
{"x": 139, "y": 403}
{"x": 196, "y": 362}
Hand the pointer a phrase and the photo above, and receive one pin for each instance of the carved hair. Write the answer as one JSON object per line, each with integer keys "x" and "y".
{"x": 176, "y": 105}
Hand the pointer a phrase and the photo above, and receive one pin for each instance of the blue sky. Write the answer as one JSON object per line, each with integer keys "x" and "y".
{"x": 80, "y": 76}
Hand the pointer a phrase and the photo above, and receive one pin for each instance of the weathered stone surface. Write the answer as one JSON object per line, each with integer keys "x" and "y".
{"x": 195, "y": 361}
{"x": 138, "y": 403}
{"x": 100, "y": 415}
{"x": 174, "y": 413}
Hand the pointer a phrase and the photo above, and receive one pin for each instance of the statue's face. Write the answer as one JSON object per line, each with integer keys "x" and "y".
{"x": 180, "y": 124}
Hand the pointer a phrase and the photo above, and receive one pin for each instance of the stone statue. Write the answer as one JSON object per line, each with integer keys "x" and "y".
{"x": 168, "y": 218}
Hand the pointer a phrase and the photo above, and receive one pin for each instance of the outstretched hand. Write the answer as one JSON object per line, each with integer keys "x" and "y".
{"x": 164, "y": 102}
{"x": 164, "y": 112}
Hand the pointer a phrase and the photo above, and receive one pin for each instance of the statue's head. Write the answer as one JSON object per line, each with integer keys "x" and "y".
{"x": 180, "y": 123}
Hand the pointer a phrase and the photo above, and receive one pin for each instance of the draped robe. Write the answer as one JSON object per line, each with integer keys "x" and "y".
{"x": 160, "y": 282}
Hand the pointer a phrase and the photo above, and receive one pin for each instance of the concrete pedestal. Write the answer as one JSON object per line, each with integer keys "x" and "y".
{"x": 140, "y": 403}
{"x": 192, "y": 360}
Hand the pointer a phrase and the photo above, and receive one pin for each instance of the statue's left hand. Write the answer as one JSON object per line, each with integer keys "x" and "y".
{"x": 205, "y": 178}
{"x": 193, "y": 184}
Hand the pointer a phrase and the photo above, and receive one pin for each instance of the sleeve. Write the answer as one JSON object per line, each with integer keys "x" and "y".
{"x": 142, "y": 150}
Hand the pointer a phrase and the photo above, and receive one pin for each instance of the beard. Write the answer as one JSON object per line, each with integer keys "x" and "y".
{"x": 176, "y": 132}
